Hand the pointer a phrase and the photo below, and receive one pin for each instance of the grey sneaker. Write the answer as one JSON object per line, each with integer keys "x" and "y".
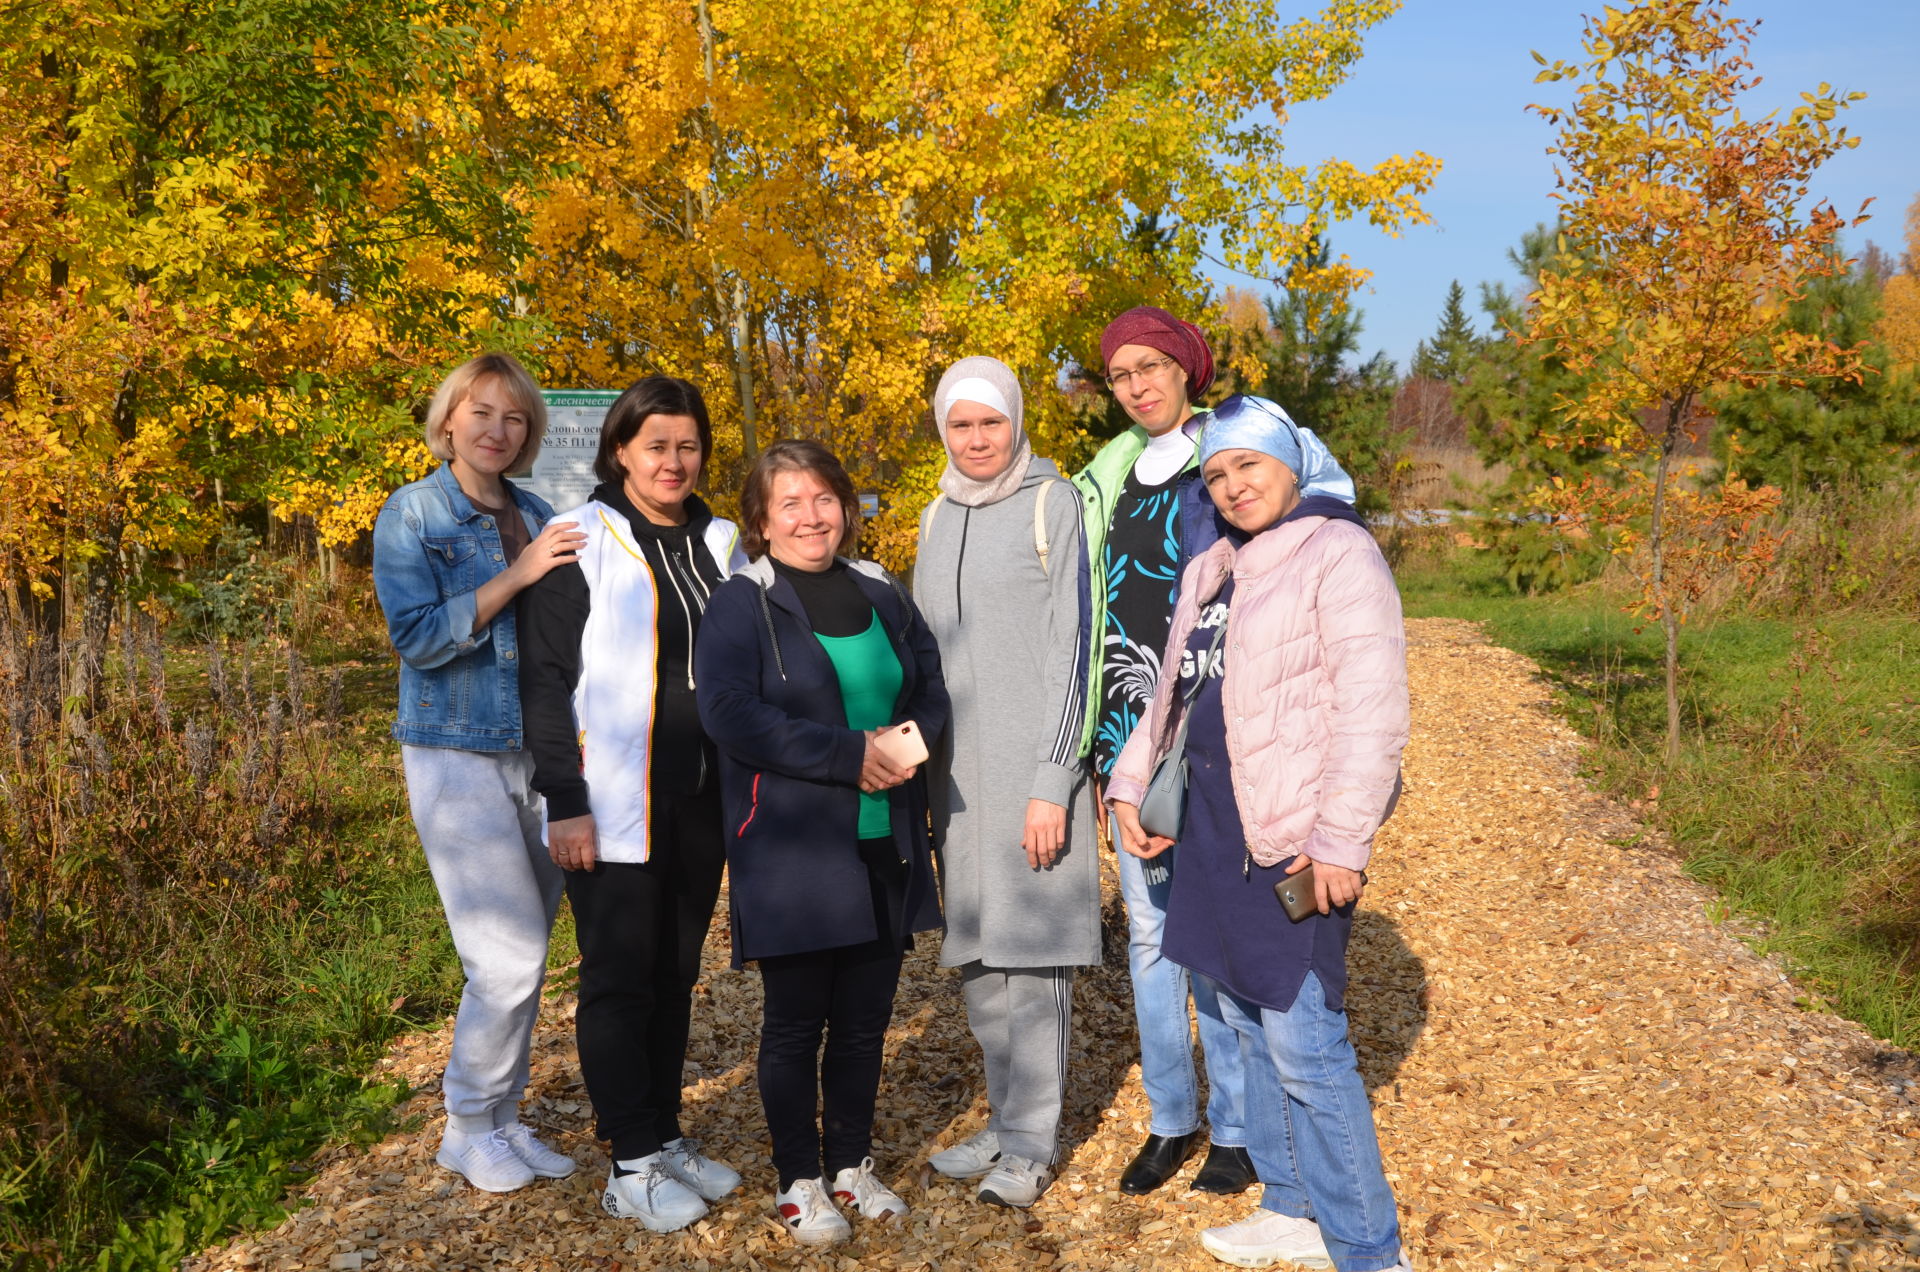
{"x": 1015, "y": 1181}
{"x": 1265, "y": 1237}
{"x": 969, "y": 1159}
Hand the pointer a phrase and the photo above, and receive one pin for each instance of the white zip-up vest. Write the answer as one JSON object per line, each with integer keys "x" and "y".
{"x": 613, "y": 701}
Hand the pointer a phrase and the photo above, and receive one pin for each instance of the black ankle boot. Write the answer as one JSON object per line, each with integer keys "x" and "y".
{"x": 1227, "y": 1169}
{"x": 1156, "y": 1162}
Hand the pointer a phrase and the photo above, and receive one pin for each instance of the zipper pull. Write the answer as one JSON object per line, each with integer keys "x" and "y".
{"x": 1246, "y": 865}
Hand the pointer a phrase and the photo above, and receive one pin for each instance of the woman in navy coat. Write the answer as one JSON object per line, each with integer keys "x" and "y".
{"x": 804, "y": 657}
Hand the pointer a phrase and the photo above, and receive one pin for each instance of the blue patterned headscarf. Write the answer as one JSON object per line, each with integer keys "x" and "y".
{"x": 1244, "y": 422}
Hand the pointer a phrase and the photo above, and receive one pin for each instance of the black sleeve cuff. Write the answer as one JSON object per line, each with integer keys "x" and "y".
{"x": 568, "y": 800}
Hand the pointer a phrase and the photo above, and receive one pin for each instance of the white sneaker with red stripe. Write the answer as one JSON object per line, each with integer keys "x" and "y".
{"x": 810, "y": 1215}
{"x": 859, "y": 1187}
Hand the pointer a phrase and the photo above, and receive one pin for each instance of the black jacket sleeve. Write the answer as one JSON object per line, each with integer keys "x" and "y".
{"x": 727, "y": 666}
{"x": 553, "y": 614}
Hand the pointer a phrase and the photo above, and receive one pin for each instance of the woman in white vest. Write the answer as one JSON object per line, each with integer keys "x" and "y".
{"x": 633, "y": 804}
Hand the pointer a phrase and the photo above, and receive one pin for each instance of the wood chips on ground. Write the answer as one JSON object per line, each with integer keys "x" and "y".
{"x": 1572, "y": 1067}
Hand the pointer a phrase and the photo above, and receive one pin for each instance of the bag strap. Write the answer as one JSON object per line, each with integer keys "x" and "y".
{"x": 1200, "y": 679}
{"x": 1041, "y": 547}
{"x": 1040, "y": 544}
{"x": 1186, "y": 699}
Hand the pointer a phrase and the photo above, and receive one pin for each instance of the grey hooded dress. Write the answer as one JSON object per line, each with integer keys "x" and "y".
{"x": 1010, "y": 646}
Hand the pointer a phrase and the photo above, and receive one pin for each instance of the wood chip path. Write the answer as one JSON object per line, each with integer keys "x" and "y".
{"x": 1571, "y": 1065}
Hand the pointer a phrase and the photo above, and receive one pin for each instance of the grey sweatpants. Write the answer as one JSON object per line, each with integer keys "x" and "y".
{"x": 481, "y": 825}
{"x": 1022, "y": 1017}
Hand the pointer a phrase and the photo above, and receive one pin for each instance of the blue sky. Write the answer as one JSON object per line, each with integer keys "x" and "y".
{"x": 1453, "y": 78}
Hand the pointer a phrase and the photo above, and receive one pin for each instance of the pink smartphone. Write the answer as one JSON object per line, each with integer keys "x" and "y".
{"x": 903, "y": 745}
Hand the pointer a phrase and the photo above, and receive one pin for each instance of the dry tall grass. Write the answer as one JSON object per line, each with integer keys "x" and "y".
{"x": 1838, "y": 549}
{"x": 1448, "y": 476}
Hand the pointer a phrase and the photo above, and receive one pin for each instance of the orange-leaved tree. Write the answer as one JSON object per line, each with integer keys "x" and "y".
{"x": 811, "y": 210}
{"x": 1693, "y": 233}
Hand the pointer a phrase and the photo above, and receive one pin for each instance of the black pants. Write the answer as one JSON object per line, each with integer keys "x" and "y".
{"x": 847, "y": 994}
{"x": 640, "y": 927}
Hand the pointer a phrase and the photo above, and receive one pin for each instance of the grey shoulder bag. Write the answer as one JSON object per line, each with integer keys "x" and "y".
{"x": 1163, "y": 806}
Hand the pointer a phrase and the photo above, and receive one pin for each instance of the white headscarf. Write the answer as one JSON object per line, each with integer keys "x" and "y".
{"x": 989, "y": 382}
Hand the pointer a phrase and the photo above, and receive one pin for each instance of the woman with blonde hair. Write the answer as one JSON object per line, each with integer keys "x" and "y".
{"x": 450, "y": 553}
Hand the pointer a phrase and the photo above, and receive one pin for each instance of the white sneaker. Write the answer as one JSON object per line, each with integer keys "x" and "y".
{"x": 685, "y": 1162}
{"x": 651, "y": 1194}
{"x": 859, "y": 1187}
{"x": 1405, "y": 1264}
{"x": 1015, "y": 1181}
{"x": 544, "y": 1162}
{"x": 488, "y": 1161}
{"x": 969, "y": 1159}
{"x": 1264, "y": 1238}
{"x": 810, "y": 1214}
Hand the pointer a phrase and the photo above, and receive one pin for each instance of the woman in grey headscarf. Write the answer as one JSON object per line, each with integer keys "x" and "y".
{"x": 998, "y": 582}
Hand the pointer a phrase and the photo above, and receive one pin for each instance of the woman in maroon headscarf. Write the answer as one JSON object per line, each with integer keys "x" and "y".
{"x": 1147, "y": 514}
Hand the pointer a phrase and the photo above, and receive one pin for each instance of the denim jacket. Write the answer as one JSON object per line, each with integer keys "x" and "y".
{"x": 432, "y": 549}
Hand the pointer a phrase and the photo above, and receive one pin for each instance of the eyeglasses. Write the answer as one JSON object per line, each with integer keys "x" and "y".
{"x": 1151, "y": 369}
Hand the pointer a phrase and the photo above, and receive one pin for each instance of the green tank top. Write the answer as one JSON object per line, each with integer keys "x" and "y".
{"x": 870, "y": 680}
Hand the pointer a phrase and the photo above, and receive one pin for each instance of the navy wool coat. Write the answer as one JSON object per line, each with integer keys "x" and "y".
{"x": 790, "y": 766}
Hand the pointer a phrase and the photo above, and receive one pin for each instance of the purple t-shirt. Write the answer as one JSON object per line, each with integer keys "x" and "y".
{"x": 1223, "y": 920}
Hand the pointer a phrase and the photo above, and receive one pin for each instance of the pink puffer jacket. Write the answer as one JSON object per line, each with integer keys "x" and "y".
{"x": 1315, "y": 690}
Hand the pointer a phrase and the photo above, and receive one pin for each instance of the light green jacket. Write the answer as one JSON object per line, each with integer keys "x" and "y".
{"x": 1099, "y": 485}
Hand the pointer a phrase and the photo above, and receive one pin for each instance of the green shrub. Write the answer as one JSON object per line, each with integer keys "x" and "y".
{"x": 212, "y": 920}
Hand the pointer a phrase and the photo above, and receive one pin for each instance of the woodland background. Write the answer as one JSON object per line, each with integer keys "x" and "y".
{"x": 240, "y": 243}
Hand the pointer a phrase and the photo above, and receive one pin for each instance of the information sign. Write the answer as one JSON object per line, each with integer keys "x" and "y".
{"x": 563, "y": 470}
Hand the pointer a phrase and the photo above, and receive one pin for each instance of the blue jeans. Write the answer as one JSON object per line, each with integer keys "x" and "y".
{"x": 1314, "y": 1145}
{"x": 1160, "y": 989}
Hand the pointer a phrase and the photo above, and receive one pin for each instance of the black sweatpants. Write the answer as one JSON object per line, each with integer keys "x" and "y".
{"x": 640, "y": 927}
{"x": 847, "y": 994}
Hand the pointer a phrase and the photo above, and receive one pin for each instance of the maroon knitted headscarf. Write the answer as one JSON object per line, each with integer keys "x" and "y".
{"x": 1185, "y": 343}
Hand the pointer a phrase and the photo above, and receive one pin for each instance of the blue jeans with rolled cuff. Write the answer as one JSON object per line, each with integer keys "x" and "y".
{"x": 1314, "y": 1146}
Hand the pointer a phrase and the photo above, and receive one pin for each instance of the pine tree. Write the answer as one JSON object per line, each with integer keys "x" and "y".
{"x": 1449, "y": 355}
{"x": 1511, "y": 400}
{"x": 1831, "y": 429}
{"x": 1306, "y": 361}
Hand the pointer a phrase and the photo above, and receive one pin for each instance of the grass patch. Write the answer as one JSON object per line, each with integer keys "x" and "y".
{"x": 214, "y": 918}
{"x": 1797, "y": 795}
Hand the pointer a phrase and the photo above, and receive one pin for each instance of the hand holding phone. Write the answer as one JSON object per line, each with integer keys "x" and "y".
{"x": 1297, "y": 895}
{"x": 893, "y": 755}
{"x": 1301, "y": 893}
{"x": 903, "y": 744}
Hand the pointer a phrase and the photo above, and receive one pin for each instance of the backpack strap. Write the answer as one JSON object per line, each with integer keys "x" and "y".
{"x": 1040, "y": 544}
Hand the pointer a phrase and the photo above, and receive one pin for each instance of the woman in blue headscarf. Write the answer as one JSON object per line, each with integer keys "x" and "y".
{"x": 1291, "y": 671}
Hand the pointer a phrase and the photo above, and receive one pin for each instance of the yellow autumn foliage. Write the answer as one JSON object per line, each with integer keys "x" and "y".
{"x": 1899, "y": 325}
{"x": 811, "y": 211}
{"x": 245, "y": 241}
